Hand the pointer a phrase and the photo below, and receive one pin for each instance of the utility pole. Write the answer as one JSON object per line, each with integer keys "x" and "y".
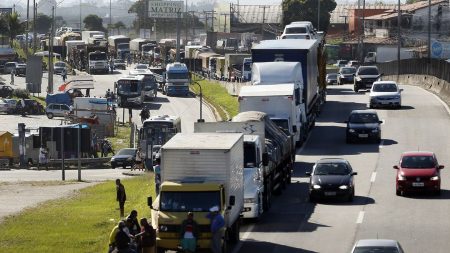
{"x": 399, "y": 19}
{"x": 429, "y": 31}
{"x": 186, "y": 23}
{"x": 363, "y": 29}
{"x": 207, "y": 13}
{"x": 358, "y": 18}
{"x": 178, "y": 36}
{"x": 264, "y": 7}
{"x": 318, "y": 15}
{"x": 110, "y": 17}
{"x": 26, "y": 34}
{"x": 225, "y": 25}
{"x": 193, "y": 22}
{"x": 80, "y": 15}
{"x": 50, "y": 54}
{"x": 34, "y": 27}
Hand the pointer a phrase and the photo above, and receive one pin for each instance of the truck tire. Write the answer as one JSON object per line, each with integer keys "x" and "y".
{"x": 233, "y": 232}
{"x": 160, "y": 250}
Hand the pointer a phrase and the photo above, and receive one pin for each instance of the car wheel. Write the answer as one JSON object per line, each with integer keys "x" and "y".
{"x": 351, "y": 196}
{"x": 348, "y": 140}
{"x": 312, "y": 199}
{"x": 50, "y": 115}
{"x": 378, "y": 140}
{"x": 355, "y": 89}
{"x": 398, "y": 192}
{"x": 113, "y": 167}
{"x": 371, "y": 106}
{"x": 437, "y": 192}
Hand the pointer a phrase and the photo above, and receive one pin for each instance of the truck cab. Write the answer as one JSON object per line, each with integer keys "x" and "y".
{"x": 177, "y": 79}
{"x": 247, "y": 69}
{"x": 98, "y": 62}
{"x": 129, "y": 90}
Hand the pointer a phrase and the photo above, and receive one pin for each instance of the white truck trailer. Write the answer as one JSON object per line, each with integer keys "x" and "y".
{"x": 199, "y": 171}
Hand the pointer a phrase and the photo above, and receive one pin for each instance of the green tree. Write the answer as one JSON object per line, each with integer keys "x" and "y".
{"x": 43, "y": 23}
{"x": 306, "y": 10}
{"x": 119, "y": 25}
{"x": 14, "y": 26}
{"x": 93, "y": 23}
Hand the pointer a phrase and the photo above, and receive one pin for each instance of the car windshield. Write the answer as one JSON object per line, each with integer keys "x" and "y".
{"x": 156, "y": 148}
{"x": 418, "y": 162}
{"x": 334, "y": 76}
{"x": 347, "y": 71}
{"x": 60, "y": 64}
{"x": 294, "y": 30}
{"x": 368, "y": 71}
{"x": 341, "y": 62}
{"x": 141, "y": 66}
{"x": 127, "y": 151}
{"x": 385, "y": 87}
{"x": 375, "y": 249}
{"x": 331, "y": 169}
{"x": 363, "y": 118}
{"x": 188, "y": 201}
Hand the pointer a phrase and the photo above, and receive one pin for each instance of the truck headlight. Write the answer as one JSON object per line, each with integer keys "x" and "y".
{"x": 343, "y": 187}
{"x": 163, "y": 228}
{"x": 316, "y": 186}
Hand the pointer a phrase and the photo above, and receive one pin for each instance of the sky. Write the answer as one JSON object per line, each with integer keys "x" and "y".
{"x": 250, "y": 2}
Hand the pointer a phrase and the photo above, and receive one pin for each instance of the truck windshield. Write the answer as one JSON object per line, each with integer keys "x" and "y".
{"x": 296, "y": 30}
{"x": 123, "y": 46}
{"x": 249, "y": 155}
{"x": 97, "y": 57}
{"x": 283, "y": 124}
{"x": 189, "y": 201}
{"x": 177, "y": 75}
{"x": 247, "y": 66}
{"x": 158, "y": 132}
{"x": 128, "y": 86}
{"x": 149, "y": 82}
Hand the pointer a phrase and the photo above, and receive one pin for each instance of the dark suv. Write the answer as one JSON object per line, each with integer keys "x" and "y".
{"x": 365, "y": 76}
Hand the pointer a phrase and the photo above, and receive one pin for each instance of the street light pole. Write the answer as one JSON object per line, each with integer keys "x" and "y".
{"x": 201, "y": 102}
{"x": 399, "y": 19}
{"x": 429, "y": 31}
{"x": 318, "y": 15}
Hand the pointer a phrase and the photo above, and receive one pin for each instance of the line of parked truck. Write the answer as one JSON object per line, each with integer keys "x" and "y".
{"x": 238, "y": 165}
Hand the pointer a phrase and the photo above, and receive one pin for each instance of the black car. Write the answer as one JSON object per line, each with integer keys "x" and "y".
{"x": 365, "y": 76}
{"x": 346, "y": 75}
{"x": 21, "y": 69}
{"x": 363, "y": 125}
{"x": 6, "y": 91}
{"x": 331, "y": 178}
{"x": 124, "y": 158}
{"x": 119, "y": 64}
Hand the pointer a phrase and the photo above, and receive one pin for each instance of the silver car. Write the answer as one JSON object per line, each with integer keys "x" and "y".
{"x": 10, "y": 67}
{"x": 377, "y": 245}
{"x": 57, "y": 110}
{"x": 385, "y": 94}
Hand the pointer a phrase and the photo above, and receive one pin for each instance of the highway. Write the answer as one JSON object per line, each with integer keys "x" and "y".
{"x": 419, "y": 222}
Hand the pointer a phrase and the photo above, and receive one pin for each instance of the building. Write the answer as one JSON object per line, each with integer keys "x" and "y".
{"x": 413, "y": 21}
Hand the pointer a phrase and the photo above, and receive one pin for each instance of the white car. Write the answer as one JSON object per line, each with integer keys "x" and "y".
{"x": 253, "y": 193}
{"x": 385, "y": 94}
{"x": 377, "y": 245}
{"x": 4, "y": 106}
{"x": 298, "y": 30}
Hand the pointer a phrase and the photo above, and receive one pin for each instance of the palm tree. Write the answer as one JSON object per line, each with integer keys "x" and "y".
{"x": 14, "y": 26}
{"x": 119, "y": 25}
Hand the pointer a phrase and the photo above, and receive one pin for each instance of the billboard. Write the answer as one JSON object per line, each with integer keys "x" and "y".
{"x": 165, "y": 9}
{"x": 34, "y": 74}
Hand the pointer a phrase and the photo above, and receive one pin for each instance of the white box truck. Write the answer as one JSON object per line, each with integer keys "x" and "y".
{"x": 199, "y": 171}
{"x": 279, "y": 101}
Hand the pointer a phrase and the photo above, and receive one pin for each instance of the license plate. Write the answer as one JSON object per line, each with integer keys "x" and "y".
{"x": 330, "y": 193}
{"x": 363, "y": 135}
{"x": 418, "y": 184}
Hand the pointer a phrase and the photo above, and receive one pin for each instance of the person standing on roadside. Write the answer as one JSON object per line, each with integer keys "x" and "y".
{"x": 217, "y": 223}
{"x": 121, "y": 196}
{"x": 13, "y": 72}
{"x": 64, "y": 75}
{"x": 157, "y": 171}
{"x": 189, "y": 234}
{"x": 43, "y": 157}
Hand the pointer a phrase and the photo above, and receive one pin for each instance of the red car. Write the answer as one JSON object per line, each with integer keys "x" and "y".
{"x": 418, "y": 171}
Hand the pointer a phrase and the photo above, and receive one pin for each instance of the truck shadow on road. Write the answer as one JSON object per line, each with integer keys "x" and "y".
{"x": 267, "y": 247}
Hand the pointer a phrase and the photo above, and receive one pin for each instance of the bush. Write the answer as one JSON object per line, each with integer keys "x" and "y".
{"x": 21, "y": 93}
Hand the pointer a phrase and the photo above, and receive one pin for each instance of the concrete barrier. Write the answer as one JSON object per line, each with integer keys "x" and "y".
{"x": 430, "y": 83}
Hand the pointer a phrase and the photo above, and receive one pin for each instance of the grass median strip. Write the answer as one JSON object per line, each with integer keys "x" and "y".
{"x": 80, "y": 223}
{"x": 218, "y": 97}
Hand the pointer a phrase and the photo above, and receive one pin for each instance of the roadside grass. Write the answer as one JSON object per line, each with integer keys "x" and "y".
{"x": 122, "y": 138}
{"x": 80, "y": 223}
{"x": 218, "y": 97}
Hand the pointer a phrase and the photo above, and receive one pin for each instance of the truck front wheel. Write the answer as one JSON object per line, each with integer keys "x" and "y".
{"x": 160, "y": 250}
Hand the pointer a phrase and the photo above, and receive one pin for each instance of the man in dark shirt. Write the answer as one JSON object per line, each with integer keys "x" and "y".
{"x": 121, "y": 196}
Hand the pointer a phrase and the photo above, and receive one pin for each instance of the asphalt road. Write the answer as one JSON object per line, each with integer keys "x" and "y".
{"x": 420, "y": 223}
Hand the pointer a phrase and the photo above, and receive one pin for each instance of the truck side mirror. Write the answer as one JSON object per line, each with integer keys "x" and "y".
{"x": 150, "y": 202}
{"x": 294, "y": 129}
{"x": 265, "y": 159}
{"x": 232, "y": 200}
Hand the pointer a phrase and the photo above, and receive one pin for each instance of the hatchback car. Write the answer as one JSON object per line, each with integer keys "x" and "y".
{"x": 354, "y": 64}
{"x": 378, "y": 246}
{"x": 9, "y": 67}
{"x": 21, "y": 69}
{"x": 346, "y": 75}
{"x": 125, "y": 157}
{"x": 57, "y": 110}
{"x": 59, "y": 67}
{"x": 298, "y": 30}
{"x": 363, "y": 125}
{"x": 331, "y": 177}
{"x": 331, "y": 78}
{"x": 418, "y": 171}
{"x": 385, "y": 94}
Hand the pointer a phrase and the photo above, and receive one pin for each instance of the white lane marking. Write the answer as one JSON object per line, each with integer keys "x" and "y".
{"x": 360, "y": 217}
{"x": 373, "y": 177}
{"x": 381, "y": 144}
{"x": 243, "y": 238}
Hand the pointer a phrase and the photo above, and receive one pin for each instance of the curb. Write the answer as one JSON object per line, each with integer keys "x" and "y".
{"x": 134, "y": 173}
